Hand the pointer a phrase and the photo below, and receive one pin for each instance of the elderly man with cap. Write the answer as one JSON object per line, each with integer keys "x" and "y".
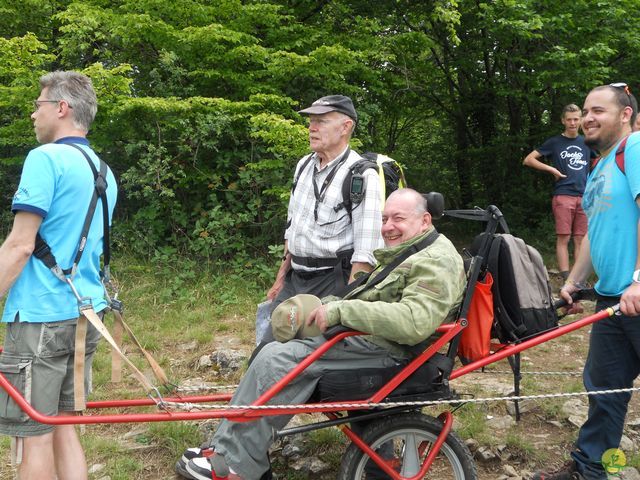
{"x": 325, "y": 245}
{"x": 403, "y": 309}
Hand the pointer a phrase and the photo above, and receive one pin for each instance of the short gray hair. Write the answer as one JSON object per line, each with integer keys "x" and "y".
{"x": 419, "y": 199}
{"x": 353, "y": 122}
{"x": 77, "y": 90}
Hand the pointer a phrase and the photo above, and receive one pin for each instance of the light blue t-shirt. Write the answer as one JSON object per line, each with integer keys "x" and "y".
{"x": 609, "y": 202}
{"x": 57, "y": 184}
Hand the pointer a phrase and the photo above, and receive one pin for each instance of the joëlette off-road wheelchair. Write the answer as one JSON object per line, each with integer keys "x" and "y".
{"x": 400, "y": 441}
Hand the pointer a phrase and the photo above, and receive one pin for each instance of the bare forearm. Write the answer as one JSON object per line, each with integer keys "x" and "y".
{"x": 533, "y": 160}
{"x": 17, "y": 248}
{"x": 583, "y": 266}
{"x": 13, "y": 258}
{"x": 285, "y": 266}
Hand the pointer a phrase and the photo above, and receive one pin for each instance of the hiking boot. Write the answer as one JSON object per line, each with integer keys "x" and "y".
{"x": 568, "y": 471}
{"x": 210, "y": 468}
{"x": 189, "y": 454}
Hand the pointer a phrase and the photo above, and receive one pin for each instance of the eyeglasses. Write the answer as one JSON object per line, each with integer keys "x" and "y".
{"x": 36, "y": 103}
{"x": 622, "y": 85}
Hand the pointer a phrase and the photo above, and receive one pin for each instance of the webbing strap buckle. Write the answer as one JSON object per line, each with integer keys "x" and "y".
{"x": 157, "y": 399}
{"x": 116, "y": 305}
{"x": 83, "y": 302}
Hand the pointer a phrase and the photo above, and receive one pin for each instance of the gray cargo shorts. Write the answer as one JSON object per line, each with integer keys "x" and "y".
{"x": 38, "y": 360}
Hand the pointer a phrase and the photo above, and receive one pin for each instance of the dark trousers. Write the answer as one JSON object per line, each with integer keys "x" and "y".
{"x": 320, "y": 283}
{"x": 613, "y": 362}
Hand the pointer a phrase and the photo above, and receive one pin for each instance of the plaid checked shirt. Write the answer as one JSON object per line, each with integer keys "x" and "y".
{"x": 333, "y": 231}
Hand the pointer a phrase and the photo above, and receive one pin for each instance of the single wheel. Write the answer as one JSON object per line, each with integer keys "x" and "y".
{"x": 404, "y": 440}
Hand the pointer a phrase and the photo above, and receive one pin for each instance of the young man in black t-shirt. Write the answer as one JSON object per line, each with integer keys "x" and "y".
{"x": 569, "y": 164}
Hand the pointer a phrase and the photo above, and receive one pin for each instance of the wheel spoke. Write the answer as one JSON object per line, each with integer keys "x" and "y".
{"x": 410, "y": 456}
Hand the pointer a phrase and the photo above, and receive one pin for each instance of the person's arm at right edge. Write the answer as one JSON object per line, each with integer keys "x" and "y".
{"x": 533, "y": 160}
{"x": 579, "y": 273}
{"x": 630, "y": 299}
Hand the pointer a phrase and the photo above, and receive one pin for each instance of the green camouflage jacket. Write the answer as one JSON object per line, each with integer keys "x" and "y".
{"x": 406, "y": 307}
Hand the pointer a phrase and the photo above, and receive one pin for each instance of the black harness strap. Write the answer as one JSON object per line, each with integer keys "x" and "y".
{"x": 415, "y": 248}
{"x": 343, "y": 257}
{"x": 43, "y": 251}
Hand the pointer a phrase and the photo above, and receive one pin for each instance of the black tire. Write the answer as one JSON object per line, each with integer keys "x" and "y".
{"x": 412, "y": 435}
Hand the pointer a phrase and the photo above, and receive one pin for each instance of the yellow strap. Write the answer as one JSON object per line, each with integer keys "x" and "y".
{"x": 97, "y": 323}
{"x": 157, "y": 369}
{"x": 402, "y": 182}
{"x": 79, "y": 402}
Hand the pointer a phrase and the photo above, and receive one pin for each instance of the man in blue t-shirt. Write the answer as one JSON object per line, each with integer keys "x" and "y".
{"x": 41, "y": 310}
{"x": 611, "y": 248}
{"x": 569, "y": 157}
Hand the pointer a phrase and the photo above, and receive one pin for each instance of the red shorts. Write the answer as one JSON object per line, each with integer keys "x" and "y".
{"x": 570, "y": 218}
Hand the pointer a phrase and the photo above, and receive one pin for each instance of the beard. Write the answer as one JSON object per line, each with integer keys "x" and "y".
{"x": 604, "y": 140}
{"x": 592, "y": 143}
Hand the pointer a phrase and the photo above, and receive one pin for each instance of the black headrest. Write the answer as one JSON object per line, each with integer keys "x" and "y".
{"x": 435, "y": 204}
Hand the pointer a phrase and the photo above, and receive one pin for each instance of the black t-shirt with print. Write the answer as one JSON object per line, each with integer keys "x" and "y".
{"x": 570, "y": 156}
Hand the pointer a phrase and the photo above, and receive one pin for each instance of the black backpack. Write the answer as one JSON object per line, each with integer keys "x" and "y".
{"x": 353, "y": 186}
{"x": 522, "y": 301}
{"x": 387, "y": 168}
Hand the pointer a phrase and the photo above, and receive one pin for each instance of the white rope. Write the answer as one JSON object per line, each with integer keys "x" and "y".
{"x": 204, "y": 388}
{"x": 570, "y": 374}
{"x": 342, "y": 406}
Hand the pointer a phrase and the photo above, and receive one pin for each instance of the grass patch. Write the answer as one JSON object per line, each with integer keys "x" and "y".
{"x": 326, "y": 439}
{"x": 175, "y": 437}
{"x": 471, "y": 422}
{"x": 519, "y": 443}
{"x": 552, "y": 408}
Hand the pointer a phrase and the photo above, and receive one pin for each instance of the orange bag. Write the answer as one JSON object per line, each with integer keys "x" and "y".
{"x": 475, "y": 340}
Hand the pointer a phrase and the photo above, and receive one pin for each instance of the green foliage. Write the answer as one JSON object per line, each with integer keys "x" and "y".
{"x": 198, "y": 100}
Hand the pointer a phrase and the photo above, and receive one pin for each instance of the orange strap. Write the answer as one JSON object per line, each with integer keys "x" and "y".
{"x": 79, "y": 401}
{"x": 155, "y": 366}
{"x": 116, "y": 360}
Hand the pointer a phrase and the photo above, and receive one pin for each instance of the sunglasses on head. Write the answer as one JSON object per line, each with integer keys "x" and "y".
{"x": 622, "y": 85}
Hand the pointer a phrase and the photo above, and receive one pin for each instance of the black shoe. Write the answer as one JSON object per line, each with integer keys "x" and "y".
{"x": 189, "y": 454}
{"x": 568, "y": 471}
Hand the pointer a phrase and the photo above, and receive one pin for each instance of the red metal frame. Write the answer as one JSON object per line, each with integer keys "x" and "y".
{"x": 509, "y": 350}
{"x": 448, "y": 331}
